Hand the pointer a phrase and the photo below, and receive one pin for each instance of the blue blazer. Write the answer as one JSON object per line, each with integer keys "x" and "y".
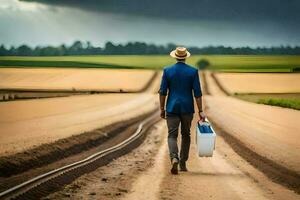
{"x": 179, "y": 82}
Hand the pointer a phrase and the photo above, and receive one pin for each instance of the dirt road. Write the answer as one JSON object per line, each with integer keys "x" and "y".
{"x": 227, "y": 175}
{"x": 144, "y": 174}
{"x": 224, "y": 176}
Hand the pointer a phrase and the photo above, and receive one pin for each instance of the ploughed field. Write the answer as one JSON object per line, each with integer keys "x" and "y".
{"x": 62, "y": 79}
{"x": 229, "y": 63}
{"x": 25, "y": 124}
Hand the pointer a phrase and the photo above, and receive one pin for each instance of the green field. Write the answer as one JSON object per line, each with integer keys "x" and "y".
{"x": 288, "y": 100}
{"x": 285, "y": 103}
{"x": 218, "y": 62}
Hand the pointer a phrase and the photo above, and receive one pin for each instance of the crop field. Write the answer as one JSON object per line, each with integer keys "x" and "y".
{"x": 226, "y": 63}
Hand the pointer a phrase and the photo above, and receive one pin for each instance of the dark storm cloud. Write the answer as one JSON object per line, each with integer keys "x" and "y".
{"x": 187, "y": 22}
{"x": 250, "y": 10}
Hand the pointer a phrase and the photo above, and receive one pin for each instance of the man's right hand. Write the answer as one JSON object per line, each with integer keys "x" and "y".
{"x": 202, "y": 116}
{"x": 163, "y": 114}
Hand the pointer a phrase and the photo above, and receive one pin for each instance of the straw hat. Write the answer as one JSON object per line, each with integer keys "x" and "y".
{"x": 180, "y": 53}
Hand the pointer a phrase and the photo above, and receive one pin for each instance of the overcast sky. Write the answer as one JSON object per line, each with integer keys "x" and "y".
{"x": 189, "y": 22}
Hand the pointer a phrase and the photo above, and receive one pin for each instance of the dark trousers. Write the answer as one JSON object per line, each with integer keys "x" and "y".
{"x": 173, "y": 122}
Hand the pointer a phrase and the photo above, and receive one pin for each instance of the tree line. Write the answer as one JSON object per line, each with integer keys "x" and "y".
{"x": 139, "y": 48}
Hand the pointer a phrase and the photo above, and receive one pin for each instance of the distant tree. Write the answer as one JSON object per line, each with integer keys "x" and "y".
{"x": 152, "y": 49}
{"x": 63, "y": 50}
{"x": 24, "y": 50}
{"x": 3, "y": 51}
{"x": 203, "y": 64}
{"x": 141, "y": 48}
{"x": 77, "y": 45}
{"x": 109, "y": 48}
{"x": 170, "y": 47}
{"x": 89, "y": 45}
{"x": 76, "y": 48}
{"x": 12, "y": 51}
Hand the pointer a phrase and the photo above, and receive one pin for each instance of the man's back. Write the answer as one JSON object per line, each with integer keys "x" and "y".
{"x": 181, "y": 80}
{"x": 177, "y": 84}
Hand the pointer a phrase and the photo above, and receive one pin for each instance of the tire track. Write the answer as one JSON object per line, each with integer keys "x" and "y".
{"x": 51, "y": 181}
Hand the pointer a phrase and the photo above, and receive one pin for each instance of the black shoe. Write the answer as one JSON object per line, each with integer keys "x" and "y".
{"x": 174, "y": 169}
{"x": 182, "y": 166}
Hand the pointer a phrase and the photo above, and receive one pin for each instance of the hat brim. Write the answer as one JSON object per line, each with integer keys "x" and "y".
{"x": 173, "y": 55}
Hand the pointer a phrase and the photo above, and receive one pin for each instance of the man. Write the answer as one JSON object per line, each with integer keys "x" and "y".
{"x": 180, "y": 83}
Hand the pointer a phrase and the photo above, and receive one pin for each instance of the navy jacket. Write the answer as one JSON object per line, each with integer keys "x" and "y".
{"x": 181, "y": 80}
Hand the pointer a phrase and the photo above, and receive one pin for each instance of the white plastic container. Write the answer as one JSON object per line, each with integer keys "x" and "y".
{"x": 205, "y": 142}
